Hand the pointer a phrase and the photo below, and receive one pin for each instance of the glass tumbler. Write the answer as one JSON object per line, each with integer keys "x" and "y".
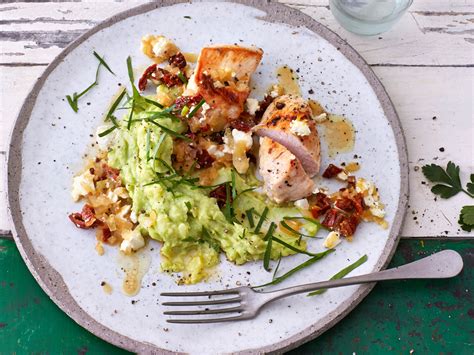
{"x": 368, "y": 17}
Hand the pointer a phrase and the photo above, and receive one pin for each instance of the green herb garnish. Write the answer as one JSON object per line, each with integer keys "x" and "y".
{"x": 158, "y": 145}
{"x": 150, "y": 101}
{"x": 277, "y": 267}
{"x": 268, "y": 250}
{"x": 182, "y": 77}
{"x": 114, "y": 105}
{"x": 107, "y": 131}
{"x": 130, "y": 117}
{"x": 73, "y": 101}
{"x": 342, "y": 273}
{"x": 249, "y": 214}
{"x": 102, "y": 61}
{"x": 170, "y": 131}
{"x": 263, "y": 216}
{"x": 294, "y": 231}
{"x": 301, "y": 266}
{"x": 466, "y": 218}
{"x": 448, "y": 185}
{"x": 136, "y": 94}
{"x": 196, "y": 108}
{"x": 291, "y": 247}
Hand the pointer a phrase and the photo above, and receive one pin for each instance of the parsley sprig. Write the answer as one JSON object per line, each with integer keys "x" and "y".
{"x": 448, "y": 184}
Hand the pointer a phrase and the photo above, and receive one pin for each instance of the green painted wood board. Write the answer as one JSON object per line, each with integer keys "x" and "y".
{"x": 399, "y": 317}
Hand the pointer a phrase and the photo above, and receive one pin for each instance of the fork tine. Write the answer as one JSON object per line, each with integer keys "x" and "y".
{"x": 204, "y": 293}
{"x": 204, "y": 311}
{"x": 203, "y": 303}
{"x": 204, "y": 320}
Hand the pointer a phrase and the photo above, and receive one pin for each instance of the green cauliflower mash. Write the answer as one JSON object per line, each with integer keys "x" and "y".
{"x": 180, "y": 214}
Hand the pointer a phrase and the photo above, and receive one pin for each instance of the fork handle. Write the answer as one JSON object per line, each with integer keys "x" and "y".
{"x": 441, "y": 265}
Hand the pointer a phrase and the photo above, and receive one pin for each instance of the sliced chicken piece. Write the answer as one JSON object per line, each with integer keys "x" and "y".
{"x": 283, "y": 175}
{"x": 288, "y": 121}
{"x": 222, "y": 77}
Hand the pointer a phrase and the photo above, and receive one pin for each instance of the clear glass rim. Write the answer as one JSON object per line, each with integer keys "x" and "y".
{"x": 370, "y": 21}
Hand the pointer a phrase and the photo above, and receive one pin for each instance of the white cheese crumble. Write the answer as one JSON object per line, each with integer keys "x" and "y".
{"x": 228, "y": 144}
{"x": 300, "y": 128}
{"x": 82, "y": 185}
{"x": 252, "y": 106}
{"x": 275, "y": 91}
{"x": 244, "y": 138}
{"x": 133, "y": 217}
{"x": 218, "y": 84}
{"x": 371, "y": 197}
{"x": 302, "y": 204}
{"x": 342, "y": 176}
{"x": 332, "y": 240}
{"x": 321, "y": 118}
{"x": 132, "y": 241}
{"x": 215, "y": 151}
{"x": 164, "y": 48}
{"x": 321, "y": 190}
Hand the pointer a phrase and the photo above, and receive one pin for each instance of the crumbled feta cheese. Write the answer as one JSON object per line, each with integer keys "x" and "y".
{"x": 132, "y": 241}
{"x": 228, "y": 143}
{"x": 275, "y": 91}
{"x": 215, "y": 151}
{"x": 342, "y": 176}
{"x": 369, "y": 201}
{"x": 133, "y": 217}
{"x": 112, "y": 196}
{"x": 218, "y": 84}
{"x": 300, "y": 128}
{"x": 244, "y": 138}
{"x": 321, "y": 190}
{"x": 164, "y": 48}
{"x": 252, "y": 106}
{"x": 303, "y": 204}
{"x": 205, "y": 107}
{"x": 362, "y": 185}
{"x": 377, "y": 210}
{"x": 82, "y": 185}
{"x": 104, "y": 142}
{"x": 321, "y": 118}
{"x": 332, "y": 240}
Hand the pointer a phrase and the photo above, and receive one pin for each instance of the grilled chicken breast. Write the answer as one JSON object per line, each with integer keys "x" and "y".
{"x": 288, "y": 121}
{"x": 283, "y": 175}
{"x": 222, "y": 77}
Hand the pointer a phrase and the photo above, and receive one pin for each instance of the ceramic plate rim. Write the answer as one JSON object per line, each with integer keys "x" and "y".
{"x": 51, "y": 281}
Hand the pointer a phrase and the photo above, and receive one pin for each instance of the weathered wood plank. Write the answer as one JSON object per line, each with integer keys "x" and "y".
{"x": 431, "y": 33}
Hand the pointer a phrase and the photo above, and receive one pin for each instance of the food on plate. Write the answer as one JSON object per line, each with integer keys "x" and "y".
{"x": 199, "y": 166}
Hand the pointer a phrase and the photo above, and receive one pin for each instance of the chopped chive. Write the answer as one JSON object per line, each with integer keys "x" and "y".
{"x": 268, "y": 249}
{"x": 158, "y": 145}
{"x": 308, "y": 219}
{"x": 232, "y": 175}
{"x": 188, "y": 205}
{"x": 161, "y": 114}
{"x": 170, "y": 132}
{"x": 107, "y": 131}
{"x": 167, "y": 166}
{"x": 130, "y": 117}
{"x": 136, "y": 94}
{"x": 291, "y": 247}
{"x": 249, "y": 214}
{"x": 184, "y": 111}
{"x": 102, "y": 61}
{"x": 148, "y": 133}
{"x": 196, "y": 108}
{"x": 150, "y": 101}
{"x": 228, "y": 212}
{"x": 299, "y": 267}
{"x": 78, "y": 96}
{"x": 294, "y": 231}
{"x": 182, "y": 77}
{"x": 242, "y": 192}
{"x": 342, "y": 273}
{"x": 261, "y": 220}
{"x": 72, "y": 102}
{"x": 114, "y": 105}
{"x": 277, "y": 267}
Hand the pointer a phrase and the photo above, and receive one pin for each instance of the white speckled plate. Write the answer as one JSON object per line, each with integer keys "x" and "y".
{"x": 49, "y": 142}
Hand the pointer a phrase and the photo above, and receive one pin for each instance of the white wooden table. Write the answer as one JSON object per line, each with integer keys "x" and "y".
{"x": 426, "y": 63}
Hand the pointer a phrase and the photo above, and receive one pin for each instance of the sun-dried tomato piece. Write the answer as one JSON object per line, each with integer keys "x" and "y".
{"x": 242, "y": 125}
{"x": 177, "y": 60}
{"x": 320, "y": 203}
{"x": 351, "y": 181}
{"x": 147, "y": 74}
{"x": 111, "y": 173}
{"x": 331, "y": 171}
{"x": 220, "y": 194}
{"x": 187, "y": 101}
{"x": 85, "y": 219}
{"x": 158, "y": 74}
{"x": 103, "y": 233}
{"x": 332, "y": 219}
{"x": 348, "y": 225}
{"x": 345, "y": 204}
{"x": 262, "y": 106}
{"x": 359, "y": 203}
{"x": 203, "y": 159}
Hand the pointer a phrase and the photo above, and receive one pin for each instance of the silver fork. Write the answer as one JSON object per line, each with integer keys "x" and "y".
{"x": 247, "y": 303}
